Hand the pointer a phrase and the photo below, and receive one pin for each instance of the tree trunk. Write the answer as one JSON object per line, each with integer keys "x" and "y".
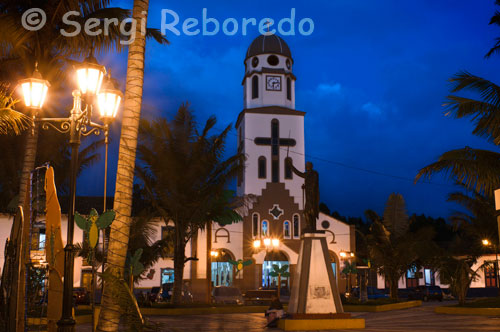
{"x": 179, "y": 257}
{"x": 209, "y": 263}
{"x": 109, "y": 317}
{"x": 28, "y": 163}
{"x": 393, "y": 283}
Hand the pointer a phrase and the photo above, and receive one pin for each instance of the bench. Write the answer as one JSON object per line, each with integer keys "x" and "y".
{"x": 259, "y": 296}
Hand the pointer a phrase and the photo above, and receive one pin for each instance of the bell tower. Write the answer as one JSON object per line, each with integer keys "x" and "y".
{"x": 269, "y": 127}
{"x": 269, "y": 80}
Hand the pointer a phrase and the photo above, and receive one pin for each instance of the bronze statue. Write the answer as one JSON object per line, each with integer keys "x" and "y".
{"x": 311, "y": 186}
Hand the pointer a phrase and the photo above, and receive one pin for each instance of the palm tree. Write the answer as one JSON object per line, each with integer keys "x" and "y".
{"x": 392, "y": 248}
{"x": 10, "y": 120}
{"x": 480, "y": 221}
{"x": 110, "y": 315}
{"x": 185, "y": 174}
{"x": 476, "y": 169}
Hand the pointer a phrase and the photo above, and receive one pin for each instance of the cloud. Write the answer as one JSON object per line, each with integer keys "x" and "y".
{"x": 371, "y": 108}
{"x": 326, "y": 89}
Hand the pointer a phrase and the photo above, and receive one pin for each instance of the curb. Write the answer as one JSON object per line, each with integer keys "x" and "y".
{"x": 383, "y": 307}
{"x": 467, "y": 311}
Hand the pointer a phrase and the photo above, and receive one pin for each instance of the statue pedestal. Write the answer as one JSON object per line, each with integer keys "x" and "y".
{"x": 314, "y": 288}
{"x": 315, "y": 300}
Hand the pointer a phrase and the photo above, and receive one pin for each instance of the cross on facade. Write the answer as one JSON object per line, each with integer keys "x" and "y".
{"x": 275, "y": 142}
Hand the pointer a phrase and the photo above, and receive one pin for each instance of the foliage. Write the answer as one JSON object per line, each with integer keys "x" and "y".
{"x": 134, "y": 265}
{"x": 11, "y": 121}
{"x": 185, "y": 177}
{"x": 392, "y": 248}
{"x": 143, "y": 230}
{"x": 480, "y": 222}
{"x": 349, "y": 268}
{"x": 458, "y": 273}
{"x": 280, "y": 271}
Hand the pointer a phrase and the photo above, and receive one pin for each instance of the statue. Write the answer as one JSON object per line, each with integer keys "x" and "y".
{"x": 311, "y": 186}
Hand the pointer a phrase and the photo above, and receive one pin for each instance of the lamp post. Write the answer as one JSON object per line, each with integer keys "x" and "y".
{"x": 79, "y": 123}
{"x": 488, "y": 243}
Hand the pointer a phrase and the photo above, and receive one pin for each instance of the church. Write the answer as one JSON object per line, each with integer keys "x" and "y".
{"x": 269, "y": 129}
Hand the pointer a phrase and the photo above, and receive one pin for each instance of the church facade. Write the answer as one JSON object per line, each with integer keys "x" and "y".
{"x": 269, "y": 129}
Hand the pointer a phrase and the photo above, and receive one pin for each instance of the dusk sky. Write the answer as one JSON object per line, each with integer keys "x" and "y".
{"x": 372, "y": 78}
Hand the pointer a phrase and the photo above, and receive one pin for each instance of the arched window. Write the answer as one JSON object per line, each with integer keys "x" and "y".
{"x": 296, "y": 226}
{"x": 255, "y": 225}
{"x": 289, "y": 89}
{"x": 286, "y": 230}
{"x": 288, "y": 171}
{"x": 255, "y": 87}
{"x": 262, "y": 167}
{"x": 265, "y": 228}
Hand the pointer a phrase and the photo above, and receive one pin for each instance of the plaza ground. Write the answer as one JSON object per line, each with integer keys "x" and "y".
{"x": 422, "y": 319}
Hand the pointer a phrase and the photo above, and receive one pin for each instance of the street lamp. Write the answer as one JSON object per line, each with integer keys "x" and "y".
{"x": 79, "y": 122}
{"x": 34, "y": 90}
{"x": 488, "y": 243}
{"x": 89, "y": 75}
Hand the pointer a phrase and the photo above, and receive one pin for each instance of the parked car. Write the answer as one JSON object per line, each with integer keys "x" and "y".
{"x": 425, "y": 293}
{"x": 165, "y": 292}
{"x": 373, "y": 293}
{"x": 447, "y": 295}
{"x": 81, "y": 295}
{"x": 226, "y": 295}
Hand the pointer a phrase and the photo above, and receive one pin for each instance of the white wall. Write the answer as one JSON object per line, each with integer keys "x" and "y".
{"x": 259, "y": 125}
{"x": 6, "y": 223}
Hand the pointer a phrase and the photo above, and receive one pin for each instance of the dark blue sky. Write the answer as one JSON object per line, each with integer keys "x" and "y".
{"x": 372, "y": 78}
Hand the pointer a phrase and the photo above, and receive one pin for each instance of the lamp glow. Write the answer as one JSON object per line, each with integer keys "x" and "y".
{"x": 256, "y": 244}
{"x": 276, "y": 242}
{"x": 89, "y": 75}
{"x": 108, "y": 100}
{"x": 267, "y": 242}
{"x": 34, "y": 90}
{"x": 343, "y": 254}
{"x": 486, "y": 242}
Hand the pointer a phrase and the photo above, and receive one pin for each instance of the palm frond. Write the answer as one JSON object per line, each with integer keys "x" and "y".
{"x": 484, "y": 113}
{"x": 476, "y": 169}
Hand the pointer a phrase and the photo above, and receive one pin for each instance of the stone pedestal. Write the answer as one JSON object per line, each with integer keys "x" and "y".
{"x": 315, "y": 302}
{"x": 314, "y": 289}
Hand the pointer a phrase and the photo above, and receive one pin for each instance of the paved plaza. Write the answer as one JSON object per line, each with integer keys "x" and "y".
{"x": 421, "y": 319}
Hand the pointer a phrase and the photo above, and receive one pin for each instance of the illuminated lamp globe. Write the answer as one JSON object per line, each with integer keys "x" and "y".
{"x": 108, "y": 101}
{"x": 90, "y": 75}
{"x": 34, "y": 90}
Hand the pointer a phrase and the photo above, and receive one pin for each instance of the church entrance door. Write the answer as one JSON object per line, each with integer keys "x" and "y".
{"x": 222, "y": 270}
{"x": 271, "y": 282}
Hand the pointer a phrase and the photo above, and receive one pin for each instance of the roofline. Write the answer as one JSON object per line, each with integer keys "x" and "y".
{"x": 268, "y": 110}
